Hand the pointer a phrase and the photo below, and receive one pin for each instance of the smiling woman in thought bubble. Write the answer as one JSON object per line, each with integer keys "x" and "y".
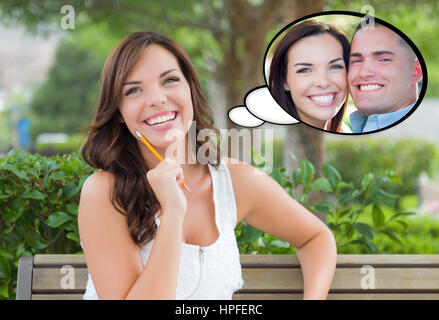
{"x": 308, "y": 74}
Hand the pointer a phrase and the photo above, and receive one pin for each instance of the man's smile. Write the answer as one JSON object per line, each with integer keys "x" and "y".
{"x": 369, "y": 87}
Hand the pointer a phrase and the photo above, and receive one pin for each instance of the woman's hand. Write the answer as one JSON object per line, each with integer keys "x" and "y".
{"x": 165, "y": 180}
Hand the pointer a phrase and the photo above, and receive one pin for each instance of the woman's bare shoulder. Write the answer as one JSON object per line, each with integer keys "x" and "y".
{"x": 241, "y": 170}
{"x": 108, "y": 247}
{"x": 97, "y": 193}
{"x": 98, "y": 181}
{"x": 245, "y": 180}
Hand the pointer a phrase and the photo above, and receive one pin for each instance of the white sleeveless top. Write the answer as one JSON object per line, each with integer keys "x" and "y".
{"x": 214, "y": 271}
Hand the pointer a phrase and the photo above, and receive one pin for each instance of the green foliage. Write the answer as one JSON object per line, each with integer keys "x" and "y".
{"x": 345, "y": 206}
{"x": 410, "y": 235}
{"x": 73, "y": 144}
{"x": 406, "y": 158}
{"x": 39, "y": 199}
{"x": 353, "y": 159}
{"x": 66, "y": 101}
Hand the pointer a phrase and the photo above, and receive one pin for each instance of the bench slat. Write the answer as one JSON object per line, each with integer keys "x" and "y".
{"x": 57, "y": 296}
{"x": 47, "y": 280}
{"x": 347, "y": 260}
{"x": 24, "y": 278}
{"x": 279, "y": 260}
{"x": 339, "y": 296}
{"x": 59, "y": 260}
{"x": 344, "y": 279}
{"x": 50, "y": 280}
{"x": 284, "y": 296}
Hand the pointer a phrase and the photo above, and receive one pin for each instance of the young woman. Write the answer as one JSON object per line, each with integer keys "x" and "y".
{"x": 308, "y": 74}
{"x": 143, "y": 235}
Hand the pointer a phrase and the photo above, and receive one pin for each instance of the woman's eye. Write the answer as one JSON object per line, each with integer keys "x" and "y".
{"x": 304, "y": 70}
{"x": 337, "y": 66}
{"x": 131, "y": 91}
{"x": 171, "y": 79}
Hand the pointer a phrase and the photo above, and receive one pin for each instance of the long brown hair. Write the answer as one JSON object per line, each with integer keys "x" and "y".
{"x": 111, "y": 147}
{"x": 279, "y": 63}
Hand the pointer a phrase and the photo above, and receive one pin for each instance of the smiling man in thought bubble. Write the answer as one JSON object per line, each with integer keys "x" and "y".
{"x": 383, "y": 76}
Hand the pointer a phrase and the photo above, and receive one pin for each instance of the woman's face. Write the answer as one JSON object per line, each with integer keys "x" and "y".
{"x": 316, "y": 78}
{"x": 156, "y": 97}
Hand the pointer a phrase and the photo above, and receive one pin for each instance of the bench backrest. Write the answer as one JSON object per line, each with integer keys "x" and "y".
{"x": 265, "y": 277}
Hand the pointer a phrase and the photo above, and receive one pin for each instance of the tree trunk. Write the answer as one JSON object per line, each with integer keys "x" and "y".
{"x": 242, "y": 69}
{"x": 301, "y": 140}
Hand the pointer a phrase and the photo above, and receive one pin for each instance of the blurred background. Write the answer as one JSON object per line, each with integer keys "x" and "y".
{"x": 51, "y": 57}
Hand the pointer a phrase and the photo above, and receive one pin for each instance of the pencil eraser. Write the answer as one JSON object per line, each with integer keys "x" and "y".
{"x": 138, "y": 134}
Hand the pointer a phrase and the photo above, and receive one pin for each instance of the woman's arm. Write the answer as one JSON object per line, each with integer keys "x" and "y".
{"x": 263, "y": 204}
{"x": 159, "y": 277}
{"x": 113, "y": 258}
{"x": 318, "y": 258}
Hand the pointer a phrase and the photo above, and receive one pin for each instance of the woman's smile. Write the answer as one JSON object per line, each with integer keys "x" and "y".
{"x": 324, "y": 99}
{"x": 161, "y": 121}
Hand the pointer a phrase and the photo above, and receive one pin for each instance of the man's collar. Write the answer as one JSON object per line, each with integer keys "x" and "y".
{"x": 361, "y": 123}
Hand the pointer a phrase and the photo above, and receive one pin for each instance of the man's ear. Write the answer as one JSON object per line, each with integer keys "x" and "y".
{"x": 416, "y": 72}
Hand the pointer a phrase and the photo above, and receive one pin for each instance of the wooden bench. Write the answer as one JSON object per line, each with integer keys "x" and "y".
{"x": 265, "y": 277}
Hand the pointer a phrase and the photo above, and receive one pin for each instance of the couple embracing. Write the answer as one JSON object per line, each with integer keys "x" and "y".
{"x": 314, "y": 69}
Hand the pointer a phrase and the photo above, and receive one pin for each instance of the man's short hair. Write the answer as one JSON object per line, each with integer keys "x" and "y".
{"x": 402, "y": 42}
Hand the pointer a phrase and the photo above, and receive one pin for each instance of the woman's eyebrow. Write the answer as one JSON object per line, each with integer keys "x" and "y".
{"x": 132, "y": 82}
{"x": 139, "y": 82}
{"x": 303, "y": 64}
{"x": 166, "y": 72}
{"x": 334, "y": 60}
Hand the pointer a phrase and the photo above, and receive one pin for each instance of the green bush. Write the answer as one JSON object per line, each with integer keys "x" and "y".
{"x": 419, "y": 234}
{"x": 406, "y": 158}
{"x": 355, "y": 215}
{"x": 73, "y": 144}
{"x": 39, "y": 199}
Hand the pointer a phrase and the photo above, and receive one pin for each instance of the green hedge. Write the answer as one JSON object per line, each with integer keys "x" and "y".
{"x": 356, "y": 215}
{"x": 73, "y": 144}
{"x": 419, "y": 235}
{"x": 406, "y": 158}
{"x": 39, "y": 199}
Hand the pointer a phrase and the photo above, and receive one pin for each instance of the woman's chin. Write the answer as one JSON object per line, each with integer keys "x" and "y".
{"x": 319, "y": 119}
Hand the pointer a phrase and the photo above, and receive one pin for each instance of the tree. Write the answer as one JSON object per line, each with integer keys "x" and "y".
{"x": 301, "y": 140}
{"x": 66, "y": 101}
{"x": 235, "y": 31}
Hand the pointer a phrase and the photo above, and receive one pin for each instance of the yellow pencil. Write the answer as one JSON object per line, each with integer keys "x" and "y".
{"x": 158, "y": 156}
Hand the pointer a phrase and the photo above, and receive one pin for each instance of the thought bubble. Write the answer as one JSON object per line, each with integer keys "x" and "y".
{"x": 260, "y": 107}
{"x": 325, "y": 89}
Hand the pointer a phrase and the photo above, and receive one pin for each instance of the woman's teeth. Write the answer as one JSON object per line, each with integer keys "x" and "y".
{"x": 323, "y": 99}
{"x": 161, "y": 120}
{"x": 370, "y": 87}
